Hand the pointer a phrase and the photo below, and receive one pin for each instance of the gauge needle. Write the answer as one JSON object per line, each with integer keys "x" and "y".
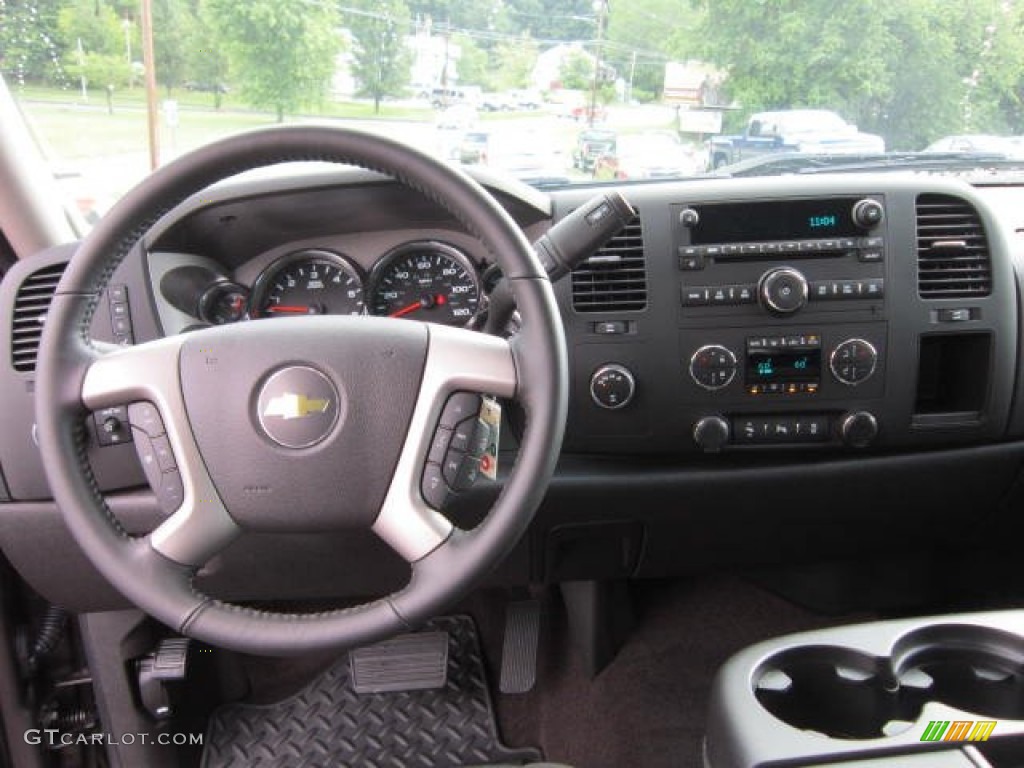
{"x": 287, "y": 308}
{"x": 425, "y": 302}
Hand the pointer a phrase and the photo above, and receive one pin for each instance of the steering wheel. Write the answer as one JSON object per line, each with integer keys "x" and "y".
{"x": 358, "y": 401}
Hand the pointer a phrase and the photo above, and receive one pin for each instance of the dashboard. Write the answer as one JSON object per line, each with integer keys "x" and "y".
{"x": 732, "y": 337}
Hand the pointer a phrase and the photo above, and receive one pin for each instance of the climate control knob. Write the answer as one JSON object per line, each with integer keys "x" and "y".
{"x": 782, "y": 291}
{"x": 612, "y": 386}
{"x": 713, "y": 367}
{"x": 854, "y": 361}
{"x": 711, "y": 434}
{"x": 858, "y": 429}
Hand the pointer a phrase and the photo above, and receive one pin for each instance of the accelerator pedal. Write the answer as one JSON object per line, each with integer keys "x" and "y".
{"x": 519, "y": 652}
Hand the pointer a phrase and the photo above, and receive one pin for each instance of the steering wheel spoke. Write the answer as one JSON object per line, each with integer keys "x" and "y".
{"x": 147, "y": 376}
{"x": 457, "y": 361}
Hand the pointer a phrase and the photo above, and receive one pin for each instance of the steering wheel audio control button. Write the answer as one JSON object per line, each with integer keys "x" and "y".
{"x": 459, "y": 407}
{"x": 164, "y": 454}
{"x": 433, "y": 487}
{"x": 145, "y": 416}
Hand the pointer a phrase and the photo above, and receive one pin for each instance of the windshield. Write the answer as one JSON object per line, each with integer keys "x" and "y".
{"x": 761, "y": 87}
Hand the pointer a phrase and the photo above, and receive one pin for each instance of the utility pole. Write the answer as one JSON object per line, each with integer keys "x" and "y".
{"x": 601, "y": 9}
{"x": 149, "y": 64}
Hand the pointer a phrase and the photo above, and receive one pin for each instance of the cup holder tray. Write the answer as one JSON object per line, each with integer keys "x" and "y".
{"x": 872, "y": 689}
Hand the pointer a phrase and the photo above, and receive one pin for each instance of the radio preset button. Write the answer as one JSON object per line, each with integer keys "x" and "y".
{"x": 695, "y": 296}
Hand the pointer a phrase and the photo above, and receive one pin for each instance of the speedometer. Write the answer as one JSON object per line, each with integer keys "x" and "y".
{"x": 309, "y": 282}
{"x": 426, "y": 281}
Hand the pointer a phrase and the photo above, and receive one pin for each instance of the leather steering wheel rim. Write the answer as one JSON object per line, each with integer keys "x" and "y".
{"x": 75, "y": 374}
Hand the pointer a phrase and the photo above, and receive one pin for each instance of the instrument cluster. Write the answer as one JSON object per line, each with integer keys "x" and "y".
{"x": 423, "y": 280}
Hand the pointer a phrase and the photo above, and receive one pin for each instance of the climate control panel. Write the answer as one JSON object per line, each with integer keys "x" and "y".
{"x": 786, "y": 365}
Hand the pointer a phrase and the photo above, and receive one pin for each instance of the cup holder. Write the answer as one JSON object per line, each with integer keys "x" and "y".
{"x": 846, "y": 694}
{"x": 976, "y": 669}
{"x": 834, "y": 691}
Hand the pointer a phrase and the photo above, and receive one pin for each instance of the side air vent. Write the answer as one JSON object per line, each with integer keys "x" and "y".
{"x": 30, "y": 307}
{"x": 615, "y": 278}
{"x": 952, "y": 251}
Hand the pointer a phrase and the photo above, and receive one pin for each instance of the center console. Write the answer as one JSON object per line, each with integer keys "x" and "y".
{"x": 946, "y": 691}
{"x": 787, "y": 301}
{"x": 843, "y": 317}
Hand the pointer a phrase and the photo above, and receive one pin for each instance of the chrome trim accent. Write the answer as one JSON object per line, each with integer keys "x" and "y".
{"x": 613, "y": 368}
{"x": 457, "y": 360}
{"x": 732, "y": 375}
{"x": 840, "y": 345}
{"x": 201, "y": 527}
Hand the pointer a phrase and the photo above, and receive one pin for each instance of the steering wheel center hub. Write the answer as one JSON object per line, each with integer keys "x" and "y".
{"x": 298, "y": 407}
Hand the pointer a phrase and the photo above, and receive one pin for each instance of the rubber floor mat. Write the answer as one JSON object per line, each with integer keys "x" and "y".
{"x": 328, "y": 724}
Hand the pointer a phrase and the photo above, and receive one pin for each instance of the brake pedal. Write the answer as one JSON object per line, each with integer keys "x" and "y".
{"x": 519, "y": 651}
{"x": 412, "y": 662}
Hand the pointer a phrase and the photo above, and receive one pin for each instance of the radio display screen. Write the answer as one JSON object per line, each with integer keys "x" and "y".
{"x": 775, "y": 220}
{"x": 771, "y": 365}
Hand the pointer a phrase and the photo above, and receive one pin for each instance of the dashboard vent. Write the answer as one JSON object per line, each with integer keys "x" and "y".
{"x": 615, "y": 278}
{"x": 30, "y": 307}
{"x": 952, "y": 251}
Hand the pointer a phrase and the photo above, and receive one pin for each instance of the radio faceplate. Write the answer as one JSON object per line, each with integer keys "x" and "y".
{"x": 780, "y": 258}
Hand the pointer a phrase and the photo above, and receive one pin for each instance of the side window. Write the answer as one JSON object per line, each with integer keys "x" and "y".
{"x": 755, "y": 128}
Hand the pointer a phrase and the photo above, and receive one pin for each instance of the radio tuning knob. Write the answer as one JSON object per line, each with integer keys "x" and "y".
{"x": 858, "y": 429}
{"x": 689, "y": 218}
{"x": 782, "y": 291}
{"x": 711, "y": 434}
{"x": 868, "y": 213}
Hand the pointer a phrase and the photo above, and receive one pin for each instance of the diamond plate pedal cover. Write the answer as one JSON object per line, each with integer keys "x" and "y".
{"x": 414, "y": 662}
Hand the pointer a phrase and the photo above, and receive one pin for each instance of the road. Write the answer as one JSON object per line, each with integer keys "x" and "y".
{"x": 99, "y": 157}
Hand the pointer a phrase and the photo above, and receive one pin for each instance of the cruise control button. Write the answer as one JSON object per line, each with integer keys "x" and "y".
{"x": 459, "y": 406}
{"x": 469, "y": 471}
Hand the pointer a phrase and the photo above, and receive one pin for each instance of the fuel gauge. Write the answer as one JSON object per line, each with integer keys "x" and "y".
{"x": 224, "y": 302}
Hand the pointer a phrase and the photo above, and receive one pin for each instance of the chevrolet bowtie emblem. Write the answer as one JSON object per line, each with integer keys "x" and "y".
{"x": 292, "y": 406}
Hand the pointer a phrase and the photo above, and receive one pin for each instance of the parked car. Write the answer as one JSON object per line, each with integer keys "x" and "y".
{"x": 473, "y": 147}
{"x": 647, "y": 156}
{"x": 497, "y": 102}
{"x": 1002, "y": 145}
{"x": 591, "y": 143}
{"x": 813, "y": 131}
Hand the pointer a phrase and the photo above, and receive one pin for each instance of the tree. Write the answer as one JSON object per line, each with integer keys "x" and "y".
{"x": 174, "y": 27}
{"x": 207, "y": 60}
{"x": 905, "y": 70}
{"x": 512, "y": 63}
{"x": 102, "y": 70}
{"x": 577, "y": 71}
{"x": 94, "y": 24}
{"x": 29, "y": 40}
{"x": 473, "y": 62}
{"x": 382, "y": 59}
{"x": 283, "y": 54}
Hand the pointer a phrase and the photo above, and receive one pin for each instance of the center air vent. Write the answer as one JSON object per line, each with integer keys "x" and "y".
{"x": 614, "y": 279}
{"x": 30, "y": 307}
{"x": 952, "y": 251}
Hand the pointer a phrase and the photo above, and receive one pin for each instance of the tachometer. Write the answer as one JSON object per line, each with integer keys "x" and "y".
{"x": 426, "y": 281}
{"x": 309, "y": 282}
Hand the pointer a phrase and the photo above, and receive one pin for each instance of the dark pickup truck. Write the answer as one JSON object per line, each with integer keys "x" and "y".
{"x": 810, "y": 131}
